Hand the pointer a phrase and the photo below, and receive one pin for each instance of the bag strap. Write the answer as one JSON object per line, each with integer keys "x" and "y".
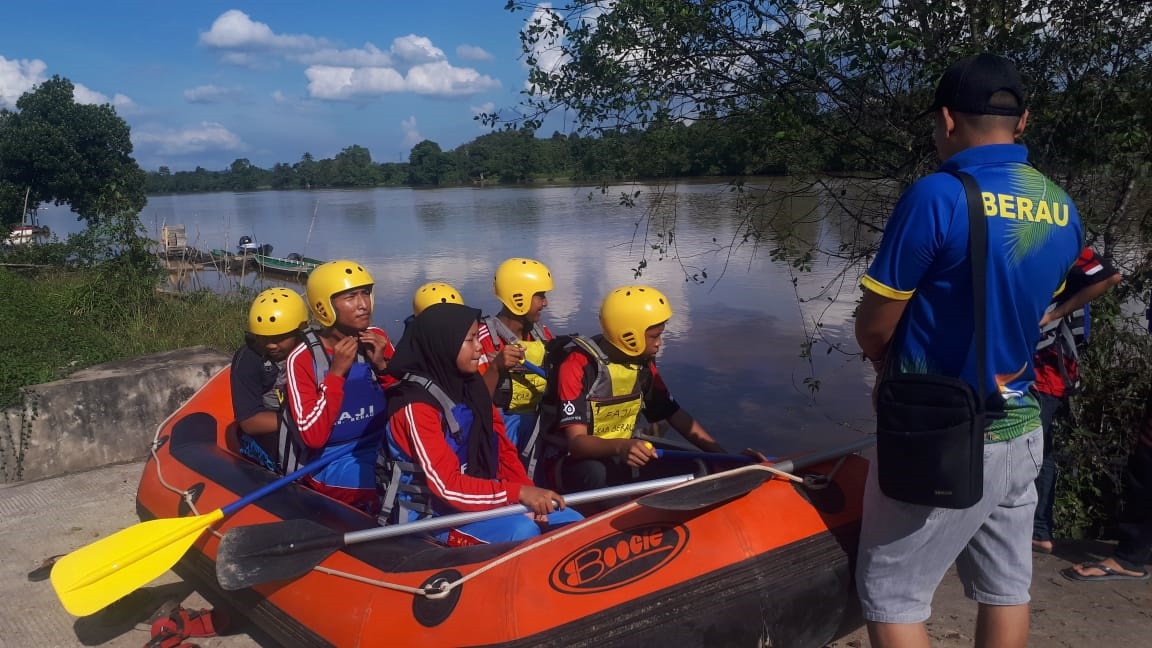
{"x": 978, "y": 253}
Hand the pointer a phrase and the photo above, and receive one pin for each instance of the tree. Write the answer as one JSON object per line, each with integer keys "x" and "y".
{"x": 354, "y": 168}
{"x": 426, "y": 164}
{"x": 283, "y": 176}
{"x": 837, "y": 86}
{"x": 306, "y": 170}
{"x": 65, "y": 152}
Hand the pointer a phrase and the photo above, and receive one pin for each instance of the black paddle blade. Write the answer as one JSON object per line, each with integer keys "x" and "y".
{"x": 698, "y": 494}
{"x": 263, "y": 553}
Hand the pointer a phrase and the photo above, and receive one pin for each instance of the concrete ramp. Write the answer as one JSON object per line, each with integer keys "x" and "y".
{"x": 99, "y": 416}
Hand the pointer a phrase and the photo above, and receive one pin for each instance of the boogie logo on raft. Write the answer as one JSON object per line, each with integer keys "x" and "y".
{"x": 618, "y": 559}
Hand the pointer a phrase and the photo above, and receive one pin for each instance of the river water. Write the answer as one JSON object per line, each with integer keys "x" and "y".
{"x": 732, "y": 352}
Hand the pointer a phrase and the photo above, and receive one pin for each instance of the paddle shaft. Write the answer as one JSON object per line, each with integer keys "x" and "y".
{"x": 705, "y": 456}
{"x": 534, "y": 368}
{"x": 792, "y": 465}
{"x": 459, "y": 519}
{"x": 287, "y": 479}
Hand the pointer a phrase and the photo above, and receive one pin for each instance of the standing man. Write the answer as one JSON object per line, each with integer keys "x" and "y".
{"x": 1063, "y": 331}
{"x": 917, "y": 312}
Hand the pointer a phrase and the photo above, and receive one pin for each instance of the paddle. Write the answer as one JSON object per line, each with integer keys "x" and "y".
{"x": 263, "y": 553}
{"x": 99, "y": 574}
{"x": 721, "y": 487}
{"x": 534, "y": 368}
{"x": 707, "y": 456}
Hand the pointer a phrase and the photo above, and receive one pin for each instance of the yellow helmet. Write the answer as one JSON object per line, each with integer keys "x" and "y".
{"x": 328, "y": 279}
{"x": 628, "y": 312}
{"x": 434, "y": 292}
{"x": 277, "y": 311}
{"x": 517, "y": 280}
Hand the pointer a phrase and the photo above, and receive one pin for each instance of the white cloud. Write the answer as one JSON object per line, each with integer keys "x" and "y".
{"x": 412, "y": 63}
{"x": 412, "y": 137}
{"x": 235, "y": 30}
{"x": 280, "y": 97}
{"x": 404, "y": 52}
{"x": 328, "y": 82}
{"x": 444, "y": 80}
{"x": 473, "y": 53}
{"x": 17, "y": 77}
{"x": 413, "y": 49}
{"x": 486, "y": 107}
{"x": 207, "y": 136}
{"x": 210, "y": 94}
{"x": 438, "y": 79}
{"x": 367, "y": 56}
{"x": 82, "y": 94}
{"x": 547, "y": 51}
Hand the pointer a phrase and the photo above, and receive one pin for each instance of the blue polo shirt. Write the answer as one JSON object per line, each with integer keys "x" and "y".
{"x": 1034, "y": 236}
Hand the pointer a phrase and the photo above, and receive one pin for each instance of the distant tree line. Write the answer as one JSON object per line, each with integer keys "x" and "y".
{"x": 514, "y": 156}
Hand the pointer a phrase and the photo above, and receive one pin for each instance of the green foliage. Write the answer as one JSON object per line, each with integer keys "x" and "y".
{"x": 1093, "y": 444}
{"x": 59, "y": 321}
{"x": 821, "y": 87}
{"x": 65, "y": 152}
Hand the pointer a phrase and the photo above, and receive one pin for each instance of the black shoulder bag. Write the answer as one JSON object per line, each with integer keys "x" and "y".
{"x": 929, "y": 427}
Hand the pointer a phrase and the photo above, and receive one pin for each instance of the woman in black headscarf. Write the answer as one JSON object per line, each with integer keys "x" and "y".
{"x": 447, "y": 450}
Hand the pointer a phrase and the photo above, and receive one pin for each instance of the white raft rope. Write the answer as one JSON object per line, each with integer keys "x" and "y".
{"x": 442, "y": 587}
{"x": 185, "y": 494}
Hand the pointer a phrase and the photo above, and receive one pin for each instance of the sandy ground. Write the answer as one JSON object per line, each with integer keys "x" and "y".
{"x": 53, "y": 516}
{"x": 1064, "y": 613}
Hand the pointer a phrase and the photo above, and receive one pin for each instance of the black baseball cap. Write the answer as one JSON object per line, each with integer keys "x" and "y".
{"x": 968, "y": 85}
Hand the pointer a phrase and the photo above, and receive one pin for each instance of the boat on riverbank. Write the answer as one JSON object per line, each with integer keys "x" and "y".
{"x": 26, "y": 232}
{"x": 764, "y": 561}
{"x": 293, "y": 265}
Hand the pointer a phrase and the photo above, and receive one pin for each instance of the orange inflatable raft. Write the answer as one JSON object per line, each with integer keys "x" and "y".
{"x": 767, "y": 561}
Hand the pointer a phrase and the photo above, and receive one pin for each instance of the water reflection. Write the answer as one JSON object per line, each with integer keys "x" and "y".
{"x": 732, "y": 351}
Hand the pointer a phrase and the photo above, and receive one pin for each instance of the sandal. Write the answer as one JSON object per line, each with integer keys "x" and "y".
{"x": 182, "y": 623}
{"x": 1109, "y": 574}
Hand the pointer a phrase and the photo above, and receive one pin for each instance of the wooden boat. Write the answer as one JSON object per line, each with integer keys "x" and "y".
{"x": 293, "y": 265}
{"x": 26, "y": 235}
{"x": 767, "y": 564}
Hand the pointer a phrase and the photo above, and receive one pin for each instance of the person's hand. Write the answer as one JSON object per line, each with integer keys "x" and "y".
{"x": 1046, "y": 319}
{"x": 635, "y": 452}
{"x": 343, "y": 355}
{"x": 374, "y": 345}
{"x": 509, "y": 356}
{"x": 760, "y": 457}
{"x": 540, "y": 501}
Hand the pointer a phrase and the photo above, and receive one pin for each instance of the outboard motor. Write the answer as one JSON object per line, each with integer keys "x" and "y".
{"x": 246, "y": 244}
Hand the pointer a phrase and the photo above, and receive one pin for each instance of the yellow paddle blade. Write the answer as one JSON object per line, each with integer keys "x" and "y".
{"x": 99, "y": 574}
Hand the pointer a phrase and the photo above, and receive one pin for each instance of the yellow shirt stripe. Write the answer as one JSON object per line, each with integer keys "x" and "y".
{"x": 884, "y": 291}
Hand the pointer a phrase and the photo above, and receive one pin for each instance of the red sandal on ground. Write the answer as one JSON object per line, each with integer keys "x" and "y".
{"x": 182, "y": 623}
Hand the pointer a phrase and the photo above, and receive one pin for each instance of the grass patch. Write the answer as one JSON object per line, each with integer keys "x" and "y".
{"x": 58, "y": 321}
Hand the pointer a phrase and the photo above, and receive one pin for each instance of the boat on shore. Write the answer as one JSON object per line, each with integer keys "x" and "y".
{"x": 26, "y": 232}
{"x": 763, "y": 562}
{"x": 292, "y": 265}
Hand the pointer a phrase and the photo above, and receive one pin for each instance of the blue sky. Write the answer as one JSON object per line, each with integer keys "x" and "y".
{"x": 205, "y": 82}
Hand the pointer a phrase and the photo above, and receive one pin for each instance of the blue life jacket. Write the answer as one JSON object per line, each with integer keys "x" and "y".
{"x": 407, "y": 496}
{"x": 362, "y": 420}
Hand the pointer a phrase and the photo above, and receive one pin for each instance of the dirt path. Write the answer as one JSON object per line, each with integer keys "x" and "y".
{"x": 1064, "y": 613}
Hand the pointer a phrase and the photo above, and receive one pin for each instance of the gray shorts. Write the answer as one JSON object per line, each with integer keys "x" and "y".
{"x": 905, "y": 549}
